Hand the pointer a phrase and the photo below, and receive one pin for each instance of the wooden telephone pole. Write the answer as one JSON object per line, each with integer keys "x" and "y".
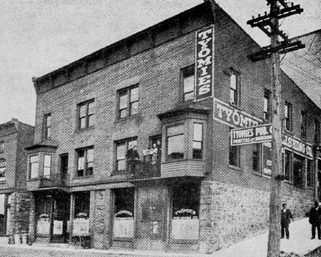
{"x": 269, "y": 24}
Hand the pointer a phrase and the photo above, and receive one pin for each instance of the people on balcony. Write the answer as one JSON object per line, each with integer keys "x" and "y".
{"x": 132, "y": 158}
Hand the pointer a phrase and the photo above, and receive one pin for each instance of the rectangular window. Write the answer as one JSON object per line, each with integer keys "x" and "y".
{"x": 34, "y": 166}
{"x": 47, "y": 125}
{"x": 310, "y": 175}
{"x": 288, "y": 116}
{"x": 198, "y": 141}
{"x": 82, "y": 205}
{"x": 185, "y": 211}
{"x": 47, "y": 166}
{"x": 267, "y": 158}
{"x": 1, "y": 146}
{"x": 86, "y": 114}
{"x": 122, "y": 148}
{"x": 316, "y": 131}
{"x": 298, "y": 171}
{"x": 234, "y": 88}
{"x": 234, "y": 154}
{"x": 188, "y": 83}
{"x": 128, "y": 102}
{"x": 175, "y": 142}
{"x": 85, "y": 162}
{"x": 3, "y": 167}
{"x": 287, "y": 165}
{"x": 267, "y": 105}
{"x": 256, "y": 157}
{"x": 124, "y": 213}
{"x": 303, "y": 124}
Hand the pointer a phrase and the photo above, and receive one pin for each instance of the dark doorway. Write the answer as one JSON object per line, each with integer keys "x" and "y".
{"x": 63, "y": 167}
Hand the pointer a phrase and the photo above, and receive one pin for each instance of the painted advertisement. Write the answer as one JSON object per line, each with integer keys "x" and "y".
{"x": 204, "y": 63}
{"x": 251, "y": 135}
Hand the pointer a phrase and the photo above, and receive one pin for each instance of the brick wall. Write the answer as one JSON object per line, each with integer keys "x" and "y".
{"x": 20, "y": 209}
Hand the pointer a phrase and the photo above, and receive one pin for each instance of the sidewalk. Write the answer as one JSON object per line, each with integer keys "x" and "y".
{"x": 299, "y": 243}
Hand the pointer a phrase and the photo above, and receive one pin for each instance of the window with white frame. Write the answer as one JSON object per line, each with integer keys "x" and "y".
{"x": 234, "y": 88}
{"x": 197, "y": 141}
{"x": 85, "y": 161}
{"x": 3, "y": 167}
{"x": 122, "y": 148}
{"x": 34, "y": 166}
{"x": 86, "y": 114}
{"x": 188, "y": 83}
{"x": 288, "y": 116}
{"x": 47, "y": 125}
{"x": 175, "y": 142}
{"x": 128, "y": 99}
{"x": 47, "y": 166}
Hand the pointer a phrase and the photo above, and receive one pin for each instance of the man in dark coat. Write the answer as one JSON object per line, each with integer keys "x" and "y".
{"x": 132, "y": 158}
{"x": 315, "y": 219}
{"x": 286, "y": 217}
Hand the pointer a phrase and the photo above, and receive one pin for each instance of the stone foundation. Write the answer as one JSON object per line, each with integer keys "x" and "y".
{"x": 230, "y": 213}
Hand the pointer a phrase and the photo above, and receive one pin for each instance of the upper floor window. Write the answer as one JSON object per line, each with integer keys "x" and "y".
{"x": 234, "y": 88}
{"x": 47, "y": 125}
{"x": 198, "y": 141}
{"x": 175, "y": 142}
{"x": 85, "y": 161}
{"x": 86, "y": 114}
{"x": 34, "y": 166}
{"x": 288, "y": 116}
{"x": 267, "y": 105}
{"x": 1, "y": 146}
{"x": 128, "y": 102}
{"x": 122, "y": 149}
{"x": 234, "y": 154}
{"x": 303, "y": 124}
{"x": 316, "y": 131}
{"x": 47, "y": 166}
{"x": 3, "y": 167}
{"x": 256, "y": 157}
{"x": 188, "y": 80}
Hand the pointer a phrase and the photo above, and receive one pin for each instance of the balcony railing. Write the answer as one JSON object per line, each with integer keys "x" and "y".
{"x": 55, "y": 180}
{"x": 144, "y": 169}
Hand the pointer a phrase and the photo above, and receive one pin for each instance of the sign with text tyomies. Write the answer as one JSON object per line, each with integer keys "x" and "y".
{"x": 233, "y": 117}
{"x": 204, "y": 63}
{"x": 251, "y": 135}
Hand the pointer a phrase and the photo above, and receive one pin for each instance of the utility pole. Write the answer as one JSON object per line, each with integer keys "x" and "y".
{"x": 269, "y": 24}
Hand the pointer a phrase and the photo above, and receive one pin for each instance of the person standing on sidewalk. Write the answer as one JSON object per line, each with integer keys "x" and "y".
{"x": 315, "y": 219}
{"x": 286, "y": 217}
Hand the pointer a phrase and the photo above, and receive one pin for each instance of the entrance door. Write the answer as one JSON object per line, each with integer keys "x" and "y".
{"x": 151, "y": 228}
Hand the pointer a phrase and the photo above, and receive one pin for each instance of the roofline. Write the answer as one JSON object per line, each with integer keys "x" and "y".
{"x": 118, "y": 43}
{"x": 307, "y": 34}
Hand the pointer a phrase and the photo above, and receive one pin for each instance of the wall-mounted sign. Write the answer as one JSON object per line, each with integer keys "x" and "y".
{"x": 81, "y": 227}
{"x": 267, "y": 159}
{"x": 251, "y": 135}
{"x": 124, "y": 227}
{"x": 297, "y": 145}
{"x": 57, "y": 229}
{"x": 204, "y": 63}
{"x": 233, "y": 117}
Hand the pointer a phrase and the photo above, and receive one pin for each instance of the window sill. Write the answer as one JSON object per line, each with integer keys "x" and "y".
{"x": 2, "y": 181}
{"x": 234, "y": 167}
{"x": 82, "y": 177}
{"x": 84, "y": 129}
{"x": 120, "y": 120}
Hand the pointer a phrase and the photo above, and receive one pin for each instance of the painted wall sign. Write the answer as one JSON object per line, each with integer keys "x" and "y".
{"x": 251, "y": 135}
{"x": 233, "y": 117}
{"x": 204, "y": 63}
{"x": 297, "y": 145}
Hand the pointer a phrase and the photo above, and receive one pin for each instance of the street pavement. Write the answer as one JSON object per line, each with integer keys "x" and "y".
{"x": 300, "y": 243}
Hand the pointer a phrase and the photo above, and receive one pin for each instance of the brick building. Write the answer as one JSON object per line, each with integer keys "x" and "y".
{"x": 173, "y": 91}
{"x": 14, "y": 199}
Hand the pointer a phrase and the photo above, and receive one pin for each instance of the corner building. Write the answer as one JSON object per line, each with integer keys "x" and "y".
{"x": 14, "y": 198}
{"x": 189, "y": 190}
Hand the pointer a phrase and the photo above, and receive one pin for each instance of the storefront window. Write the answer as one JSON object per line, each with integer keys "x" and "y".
{"x": 185, "y": 215}
{"x": 81, "y": 216}
{"x": 124, "y": 213}
{"x": 298, "y": 171}
{"x": 43, "y": 215}
{"x": 175, "y": 142}
{"x": 256, "y": 157}
{"x": 310, "y": 173}
{"x": 2, "y": 215}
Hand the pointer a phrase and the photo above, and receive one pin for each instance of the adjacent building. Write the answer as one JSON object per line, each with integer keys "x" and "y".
{"x": 14, "y": 199}
{"x": 173, "y": 92}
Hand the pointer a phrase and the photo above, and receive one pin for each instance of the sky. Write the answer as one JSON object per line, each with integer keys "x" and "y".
{"x": 39, "y": 36}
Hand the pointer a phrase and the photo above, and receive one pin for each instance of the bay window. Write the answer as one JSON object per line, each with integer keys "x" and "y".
{"x": 175, "y": 142}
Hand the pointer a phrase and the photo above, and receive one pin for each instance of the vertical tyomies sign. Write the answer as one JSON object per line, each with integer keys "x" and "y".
{"x": 204, "y": 63}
